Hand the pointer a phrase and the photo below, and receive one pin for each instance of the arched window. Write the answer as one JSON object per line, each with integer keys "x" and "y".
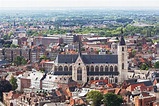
{"x": 116, "y": 68}
{"x": 122, "y": 48}
{"x": 96, "y": 78}
{"x": 55, "y": 68}
{"x": 79, "y": 73}
{"x": 101, "y": 68}
{"x": 92, "y": 78}
{"x": 106, "y": 68}
{"x": 87, "y": 68}
{"x": 92, "y": 68}
{"x": 122, "y": 65}
{"x": 106, "y": 78}
{"x": 111, "y": 68}
{"x": 11, "y": 104}
{"x": 116, "y": 80}
{"x": 65, "y": 68}
{"x": 60, "y": 68}
{"x": 96, "y": 69}
{"x": 70, "y": 68}
{"x": 101, "y": 78}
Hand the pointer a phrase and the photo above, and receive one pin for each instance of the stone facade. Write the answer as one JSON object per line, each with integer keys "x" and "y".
{"x": 83, "y": 68}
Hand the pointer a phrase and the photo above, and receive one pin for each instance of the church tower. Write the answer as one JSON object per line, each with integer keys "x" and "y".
{"x": 122, "y": 60}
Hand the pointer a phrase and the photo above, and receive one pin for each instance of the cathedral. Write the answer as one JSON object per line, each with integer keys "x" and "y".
{"x": 83, "y": 68}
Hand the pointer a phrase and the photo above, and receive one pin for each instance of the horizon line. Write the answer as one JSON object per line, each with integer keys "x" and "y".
{"x": 95, "y": 7}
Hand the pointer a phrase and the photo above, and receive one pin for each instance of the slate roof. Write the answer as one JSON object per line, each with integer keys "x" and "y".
{"x": 122, "y": 41}
{"x": 148, "y": 83}
{"x": 87, "y": 59}
{"x": 131, "y": 81}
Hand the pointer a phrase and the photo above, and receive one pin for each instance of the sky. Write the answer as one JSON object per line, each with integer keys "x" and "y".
{"x": 79, "y": 3}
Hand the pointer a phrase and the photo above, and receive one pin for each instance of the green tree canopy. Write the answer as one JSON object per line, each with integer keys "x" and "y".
{"x": 14, "y": 46}
{"x": 20, "y": 60}
{"x": 156, "y": 65}
{"x": 144, "y": 66}
{"x": 111, "y": 99}
{"x": 13, "y": 82}
{"x": 95, "y": 97}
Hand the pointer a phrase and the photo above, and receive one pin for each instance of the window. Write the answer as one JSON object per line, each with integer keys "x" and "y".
{"x": 122, "y": 65}
{"x": 92, "y": 69}
{"x": 96, "y": 69}
{"x": 70, "y": 68}
{"x": 116, "y": 80}
{"x": 92, "y": 78}
{"x": 101, "y": 78}
{"x": 111, "y": 68}
{"x": 101, "y": 68}
{"x": 106, "y": 68}
{"x": 79, "y": 73}
{"x": 96, "y": 78}
{"x": 122, "y": 48}
{"x": 87, "y": 68}
{"x": 60, "y": 68}
{"x": 116, "y": 68}
{"x": 65, "y": 68}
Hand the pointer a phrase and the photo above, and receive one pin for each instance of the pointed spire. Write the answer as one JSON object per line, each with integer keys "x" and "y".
{"x": 79, "y": 45}
{"x": 122, "y": 41}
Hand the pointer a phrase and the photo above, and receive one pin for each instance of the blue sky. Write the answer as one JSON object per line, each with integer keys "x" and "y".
{"x": 80, "y": 3}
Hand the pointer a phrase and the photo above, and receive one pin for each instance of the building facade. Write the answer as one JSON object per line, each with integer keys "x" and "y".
{"x": 82, "y": 68}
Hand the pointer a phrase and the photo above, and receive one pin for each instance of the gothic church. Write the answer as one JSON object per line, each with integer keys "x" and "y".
{"x": 82, "y": 68}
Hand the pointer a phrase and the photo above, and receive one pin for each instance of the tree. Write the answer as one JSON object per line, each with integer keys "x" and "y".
{"x": 111, "y": 99}
{"x": 144, "y": 66}
{"x": 156, "y": 65}
{"x": 24, "y": 61}
{"x": 43, "y": 57}
{"x": 19, "y": 60}
{"x": 13, "y": 82}
{"x": 95, "y": 97}
{"x": 13, "y": 46}
{"x": 5, "y": 86}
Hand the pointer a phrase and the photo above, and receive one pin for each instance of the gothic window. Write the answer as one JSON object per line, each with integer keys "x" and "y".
{"x": 122, "y": 65}
{"x": 116, "y": 80}
{"x": 70, "y": 68}
{"x": 122, "y": 48}
{"x": 106, "y": 78}
{"x": 96, "y": 78}
{"x": 65, "y": 68}
{"x": 96, "y": 69}
{"x": 106, "y": 68}
{"x": 111, "y": 68}
{"x": 87, "y": 67}
{"x": 116, "y": 68}
{"x": 79, "y": 73}
{"x": 55, "y": 68}
{"x": 92, "y": 68}
{"x": 92, "y": 78}
{"x": 101, "y": 68}
{"x": 60, "y": 68}
{"x": 101, "y": 78}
